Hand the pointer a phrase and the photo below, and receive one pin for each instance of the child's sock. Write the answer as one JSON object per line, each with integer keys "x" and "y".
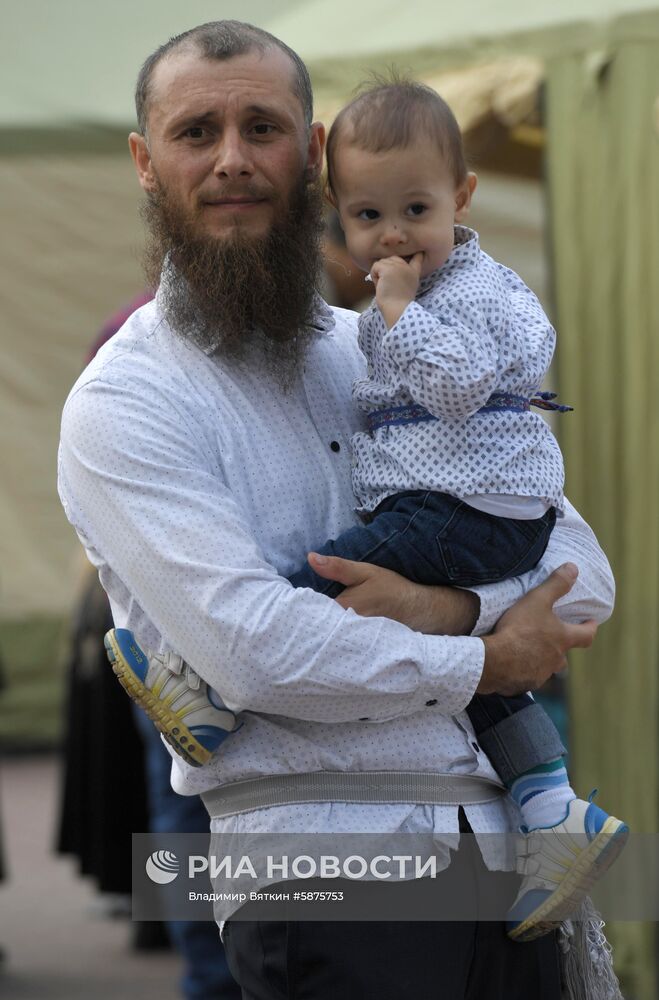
{"x": 542, "y": 794}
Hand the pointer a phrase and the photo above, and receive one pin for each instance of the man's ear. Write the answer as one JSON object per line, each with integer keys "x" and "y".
{"x": 142, "y": 160}
{"x": 315, "y": 150}
{"x": 464, "y": 195}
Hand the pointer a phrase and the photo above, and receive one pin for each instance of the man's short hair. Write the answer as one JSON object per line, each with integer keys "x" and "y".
{"x": 392, "y": 114}
{"x": 222, "y": 40}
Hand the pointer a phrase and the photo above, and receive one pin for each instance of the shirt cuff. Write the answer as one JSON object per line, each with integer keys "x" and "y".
{"x": 495, "y": 599}
{"x": 452, "y": 684}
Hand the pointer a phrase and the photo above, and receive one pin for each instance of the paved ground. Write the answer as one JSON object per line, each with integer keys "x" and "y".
{"x": 56, "y": 948}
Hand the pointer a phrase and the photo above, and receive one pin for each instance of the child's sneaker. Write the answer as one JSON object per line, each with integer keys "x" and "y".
{"x": 184, "y": 708}
{"x": 560, "y": 864}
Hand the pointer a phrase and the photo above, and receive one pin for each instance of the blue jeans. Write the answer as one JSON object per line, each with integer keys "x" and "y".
{"x": 433, "y": 538}
{"x": 206, "y": 973}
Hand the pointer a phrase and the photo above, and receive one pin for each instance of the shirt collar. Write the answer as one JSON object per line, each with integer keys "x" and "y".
{"x": 466, "y": 248}
{"x": 323, "y": 320}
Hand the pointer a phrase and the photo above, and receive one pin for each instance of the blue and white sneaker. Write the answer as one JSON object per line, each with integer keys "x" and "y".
{"x": 188, "y": 712}
{"x": 560, "y": 864}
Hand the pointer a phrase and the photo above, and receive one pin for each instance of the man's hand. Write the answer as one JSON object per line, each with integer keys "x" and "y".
{"x": 530, "y": 642}
{"x": 380, "y": 593}
{"x": 396, "y": 282}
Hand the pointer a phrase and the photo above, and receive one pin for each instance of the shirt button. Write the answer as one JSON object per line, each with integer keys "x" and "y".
{"x": 335, "y": 446}
{"x": 433, "y": 701}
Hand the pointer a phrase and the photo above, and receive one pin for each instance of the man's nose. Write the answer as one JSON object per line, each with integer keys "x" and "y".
{"x": 233, "y": 157}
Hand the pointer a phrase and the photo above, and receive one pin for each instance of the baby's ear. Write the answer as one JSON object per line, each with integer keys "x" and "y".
{"x": 463, "y": 196}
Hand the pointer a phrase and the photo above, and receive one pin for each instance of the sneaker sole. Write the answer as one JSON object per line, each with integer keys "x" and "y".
{"x": 593, "y": 863}
{"x": 166, "y": 721}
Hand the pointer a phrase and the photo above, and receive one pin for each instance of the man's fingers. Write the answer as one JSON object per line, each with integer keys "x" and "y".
{"x": 344, "y": 571}
{"x": 581, "y": 635}
{"x": 558, "y": 583}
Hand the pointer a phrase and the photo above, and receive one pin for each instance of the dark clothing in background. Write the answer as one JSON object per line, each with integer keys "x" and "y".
{"x": 104, "y": 795}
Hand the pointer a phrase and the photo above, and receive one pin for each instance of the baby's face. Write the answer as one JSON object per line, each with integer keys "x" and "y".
{"x": 398, "y": 203}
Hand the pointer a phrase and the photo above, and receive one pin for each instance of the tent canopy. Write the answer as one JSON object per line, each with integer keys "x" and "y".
{"x": 327, "y": 29}
{"x": 79, "y": 66}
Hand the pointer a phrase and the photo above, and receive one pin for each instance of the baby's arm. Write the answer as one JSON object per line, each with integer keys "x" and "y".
{"x": 447, "y": 359}
{"x": 448, "y": 364}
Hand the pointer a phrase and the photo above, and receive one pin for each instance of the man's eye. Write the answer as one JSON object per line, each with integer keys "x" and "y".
{"x": 195, "y": 132}
{"x": 416, "y": 209}
{"x": 368, "y": 214}
{"x": 263, "y": 128}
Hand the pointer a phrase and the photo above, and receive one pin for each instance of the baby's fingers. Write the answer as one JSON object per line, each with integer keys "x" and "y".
{"x": 416, "y": 263}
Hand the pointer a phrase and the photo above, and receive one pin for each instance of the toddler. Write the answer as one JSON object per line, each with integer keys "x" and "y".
{"x": 457, "y": 481}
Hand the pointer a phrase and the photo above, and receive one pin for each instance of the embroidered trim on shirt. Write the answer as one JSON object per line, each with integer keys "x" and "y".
{"x": 508, "y": 401}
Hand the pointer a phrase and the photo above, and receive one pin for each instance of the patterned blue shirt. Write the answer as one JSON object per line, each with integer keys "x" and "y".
{"x": 473, "y": 329}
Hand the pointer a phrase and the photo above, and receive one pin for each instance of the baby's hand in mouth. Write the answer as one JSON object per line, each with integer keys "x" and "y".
{"x": 396, "y": 281}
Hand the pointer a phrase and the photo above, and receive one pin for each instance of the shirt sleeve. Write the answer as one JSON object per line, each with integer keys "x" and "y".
{"x": 139, "y": 481}
{"x": 593, "y": 594}
{"x": 447, "y": 360}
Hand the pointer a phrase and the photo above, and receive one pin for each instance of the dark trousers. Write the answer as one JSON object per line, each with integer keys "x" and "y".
{"x": 390, "y": 961}
{"x": 433, "y": 538}
{"x": 394, "y": 960}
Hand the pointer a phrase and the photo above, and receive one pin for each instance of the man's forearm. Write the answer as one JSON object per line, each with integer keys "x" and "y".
{"x": 374, "y": 592}
{"x": 444, "y": 611}
{"x": 529, "y": 643}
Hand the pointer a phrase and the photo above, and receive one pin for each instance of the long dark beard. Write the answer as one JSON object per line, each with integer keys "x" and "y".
{"x": 240, "y": 298}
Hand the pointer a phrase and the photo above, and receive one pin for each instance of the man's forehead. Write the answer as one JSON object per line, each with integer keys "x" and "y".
{"x": 185, "y": 76}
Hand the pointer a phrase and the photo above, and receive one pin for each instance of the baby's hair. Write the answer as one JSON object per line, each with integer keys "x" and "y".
{"x": 391, "y": 113}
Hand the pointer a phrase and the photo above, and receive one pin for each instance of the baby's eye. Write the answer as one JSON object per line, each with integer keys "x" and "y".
{"x": 369, "y": 214}
{"x": 416, "y": 209}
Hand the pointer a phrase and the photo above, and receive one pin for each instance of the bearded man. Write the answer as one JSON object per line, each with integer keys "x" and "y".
{"x": 205, "y": 451}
